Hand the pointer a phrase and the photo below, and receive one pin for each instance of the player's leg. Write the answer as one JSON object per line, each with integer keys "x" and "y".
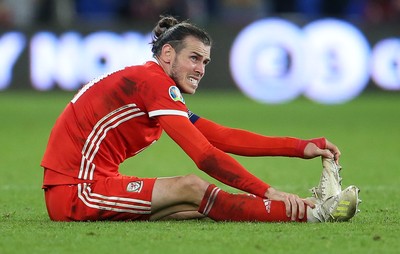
{"x": 58, "y": 201}
{"x": 222, "y": 206}
{"x": 130, "y": 198}
{"x": 127, "y": 198}
{"x": 178, "y": 197}
{"x": 114, "y": 198}
{"x": 182, "y": 215}
{"x": 189, "y": 197}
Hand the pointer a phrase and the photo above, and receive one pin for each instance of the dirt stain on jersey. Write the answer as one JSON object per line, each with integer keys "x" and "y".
{"x": 211, "y": 166}
{"x": 223, "y": 172}
{"x": 128, "y": 86}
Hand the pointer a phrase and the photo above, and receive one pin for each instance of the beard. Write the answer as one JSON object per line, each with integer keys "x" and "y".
{"x": 175, "y": 74}
{"x": 180, "y": 79}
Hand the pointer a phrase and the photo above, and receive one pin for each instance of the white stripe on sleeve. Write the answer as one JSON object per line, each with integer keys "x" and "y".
{"x": 168, "y": 112}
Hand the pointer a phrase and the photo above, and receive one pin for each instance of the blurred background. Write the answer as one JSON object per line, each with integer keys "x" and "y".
{"x": 67, "y": 13}
{"x": 61, "y": 44}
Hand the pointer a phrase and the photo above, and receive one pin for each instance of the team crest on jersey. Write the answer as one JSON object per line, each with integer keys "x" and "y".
{"x": 175, "y": 94}
{"x": 134, "y": 186}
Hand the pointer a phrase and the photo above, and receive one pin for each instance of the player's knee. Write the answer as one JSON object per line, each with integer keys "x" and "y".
{"x": 194, "y": 185}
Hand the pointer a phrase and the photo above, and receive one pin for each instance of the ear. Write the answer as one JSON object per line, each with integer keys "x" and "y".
{"x": 167, "y": 53}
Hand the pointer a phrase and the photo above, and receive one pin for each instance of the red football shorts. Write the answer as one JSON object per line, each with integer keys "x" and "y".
{"x": 115, "y": 198}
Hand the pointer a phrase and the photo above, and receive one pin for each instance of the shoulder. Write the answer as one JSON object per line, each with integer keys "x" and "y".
{"x": 150, "y": 73}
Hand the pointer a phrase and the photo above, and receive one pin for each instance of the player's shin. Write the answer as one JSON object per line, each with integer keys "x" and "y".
{"x": 222, "y": 206}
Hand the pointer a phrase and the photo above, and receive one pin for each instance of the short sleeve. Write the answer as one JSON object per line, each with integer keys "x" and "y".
{"x": 164, "y": 99}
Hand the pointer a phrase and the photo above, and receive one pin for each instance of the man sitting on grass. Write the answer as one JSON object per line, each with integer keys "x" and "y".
{"x": 117, "y": 115}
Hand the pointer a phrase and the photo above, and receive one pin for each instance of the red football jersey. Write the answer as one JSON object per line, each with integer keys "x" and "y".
{"x": 108, "y": 121}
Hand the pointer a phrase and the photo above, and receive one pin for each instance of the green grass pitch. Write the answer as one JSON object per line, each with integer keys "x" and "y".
{"x": 366, "y": 129}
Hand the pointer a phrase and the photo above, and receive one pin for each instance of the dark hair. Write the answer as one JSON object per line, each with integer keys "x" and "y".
{"x": 171, "y": 31}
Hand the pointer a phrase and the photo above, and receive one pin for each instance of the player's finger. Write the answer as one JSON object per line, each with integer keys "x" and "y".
{"x": 327, "y": 154}
{"x": 302, "y": 208}
{"x": 334, "y": 149}
{"x": 337, "y": 156}
{"x": 309, "y": 203}
{"x": 288, "y": 207}
{"x": 294, "y": 206}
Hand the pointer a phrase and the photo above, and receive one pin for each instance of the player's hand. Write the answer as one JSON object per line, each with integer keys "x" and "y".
{"x": 295, "y": 206}
{"x": 334, "y": 150}
{"x": 331, "y": 151}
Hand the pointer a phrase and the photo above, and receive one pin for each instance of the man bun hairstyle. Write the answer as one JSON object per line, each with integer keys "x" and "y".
{"x": 171, "y": 31}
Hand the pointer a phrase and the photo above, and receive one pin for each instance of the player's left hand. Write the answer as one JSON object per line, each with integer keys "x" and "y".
{"x": 331, "y": 151}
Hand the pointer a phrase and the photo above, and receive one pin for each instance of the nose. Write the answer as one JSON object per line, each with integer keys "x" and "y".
{"x": 200, "y": 69}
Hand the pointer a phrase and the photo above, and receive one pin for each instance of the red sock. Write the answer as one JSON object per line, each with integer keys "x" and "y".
{"x": 222, "y": 206}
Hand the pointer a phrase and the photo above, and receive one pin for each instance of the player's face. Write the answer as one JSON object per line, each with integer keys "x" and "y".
{"x": 188, "y": 66}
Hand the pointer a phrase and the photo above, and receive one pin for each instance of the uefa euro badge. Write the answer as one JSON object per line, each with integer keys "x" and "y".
{"x": 175, "y": 94}
{"x": 134, "y": 186}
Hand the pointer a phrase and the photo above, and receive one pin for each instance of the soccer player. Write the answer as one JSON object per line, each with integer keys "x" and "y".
{"x": 119, "y": 114}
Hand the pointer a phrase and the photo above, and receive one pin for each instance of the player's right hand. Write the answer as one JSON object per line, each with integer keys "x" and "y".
{"x": 295, "y": 206}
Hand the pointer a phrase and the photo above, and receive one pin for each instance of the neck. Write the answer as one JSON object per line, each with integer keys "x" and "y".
{"x": 163, "y": 64}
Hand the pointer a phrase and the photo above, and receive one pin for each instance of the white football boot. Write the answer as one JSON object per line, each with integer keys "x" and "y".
{"x": 330, "y": 183}
{"x": 340, "y": 207}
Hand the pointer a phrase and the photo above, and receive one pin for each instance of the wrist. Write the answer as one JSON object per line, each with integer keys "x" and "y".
{"x": 268, "y": 191}
{"x": 319, "y": 142}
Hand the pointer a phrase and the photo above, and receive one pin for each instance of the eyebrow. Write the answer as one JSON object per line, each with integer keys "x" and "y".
{"x": 200, "y": 55}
